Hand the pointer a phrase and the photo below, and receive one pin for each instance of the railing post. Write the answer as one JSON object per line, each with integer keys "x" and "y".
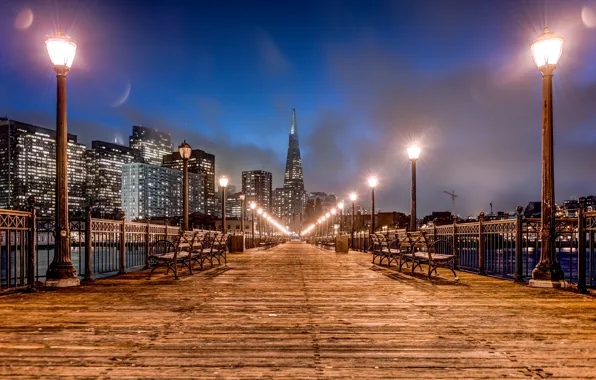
{"x": 435, "y": 229}
{"x": 519, "y": 265}
{"x": 32, "y": 260}
{"x": 481, "y": 243}
{"x": 455, "y": 250}
{"x": 147, "y": 242}
{"x": 123, "y": 246}
{"x": 88, "y": 244}
{"x": 581, "y": 251}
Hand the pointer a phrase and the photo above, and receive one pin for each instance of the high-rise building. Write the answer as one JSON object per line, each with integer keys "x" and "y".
{"x": 282, "y": 204}
{"x": 230, "y": 190}
{"x": 233, "y": 205}
{"x": 257, "y": 186}
{"x": 294, "y": 180}
{"x": 157, "y": 191}
{"x": 28, "y": 167}
{"x": 104, "y": 174}
{"x": 201, "y": 163}
{"x": 152, "y": 144}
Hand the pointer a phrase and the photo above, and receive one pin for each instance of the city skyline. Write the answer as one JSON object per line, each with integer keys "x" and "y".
{"x": 466, "y": 102}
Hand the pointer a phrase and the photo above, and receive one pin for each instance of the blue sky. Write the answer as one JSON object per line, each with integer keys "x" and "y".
{"x": 365, "y": 77}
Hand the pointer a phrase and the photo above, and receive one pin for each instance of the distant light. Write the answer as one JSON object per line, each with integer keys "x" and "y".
{"x": 340, "y": 205}
{"x": 353, "y": 197}
{"x": 327, "y": 215}
{"x": 253, "y": 205}
{"x": 333, "y": 211}
{"x": 414, "y": 152}
{"x": 260, "y": 211}
{"x": 223, "y": 181}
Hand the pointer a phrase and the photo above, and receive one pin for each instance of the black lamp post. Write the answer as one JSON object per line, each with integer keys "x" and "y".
{"x": 413, "y": 154}
{"x": 223, "y": 183}
{"x": 185, "y": 151}
{"x": 353, "y": 197}
{"x": 61, "y": 272}
{"x": 547, "y": 50}
{"x": 260, "y": 212}
{"x": 372, "y": 182}
{"x": 242, "y": 212}
{"x": 253, "y": 206}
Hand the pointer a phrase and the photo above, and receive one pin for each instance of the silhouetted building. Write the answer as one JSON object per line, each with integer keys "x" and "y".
{"x": 152, "y": 144}
{"x": 28, "y": 167}
{"x": 104, "y": 174}
{"x": 203, "y": 163}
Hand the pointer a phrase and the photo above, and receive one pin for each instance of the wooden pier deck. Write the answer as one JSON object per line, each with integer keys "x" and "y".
{"x": 296, "y": 311}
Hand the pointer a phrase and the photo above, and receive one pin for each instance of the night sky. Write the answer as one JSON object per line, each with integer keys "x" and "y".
{"x": 366, "y": 78}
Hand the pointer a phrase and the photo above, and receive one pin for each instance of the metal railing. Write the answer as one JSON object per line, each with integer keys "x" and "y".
{"x": 511, "y": 248}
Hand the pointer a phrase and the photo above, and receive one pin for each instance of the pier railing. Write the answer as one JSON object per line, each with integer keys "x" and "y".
{"x": 110, "y": 247}
{"x": 511, "y": 248}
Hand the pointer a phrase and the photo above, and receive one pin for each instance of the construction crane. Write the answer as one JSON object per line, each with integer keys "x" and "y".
{"x": 453, "y": 196}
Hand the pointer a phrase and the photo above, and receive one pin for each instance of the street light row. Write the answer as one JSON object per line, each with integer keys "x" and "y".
{"x": 546, "y": 51}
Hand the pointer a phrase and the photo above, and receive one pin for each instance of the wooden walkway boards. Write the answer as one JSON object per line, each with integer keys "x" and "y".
{"x": 295, "y": 311}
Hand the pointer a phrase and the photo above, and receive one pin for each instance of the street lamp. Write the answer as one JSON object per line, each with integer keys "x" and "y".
{"x": 327, "y": 216}
{"x": 333, "y": 220}
{"x": 223, "y": 183}
{"x": 340, "y": 206}
{"x": 547, "y": 50}
{"x": 61, "y": 272}
{"x": 242, "y": 212}
{"x": 413, "y": 154}
{"x": 253, "y": 206}
{"x": 353, "y": 197}
{"x": 260, "y": 212}
{"x": 185, "y": 151}
{"x": 372, "y": 182}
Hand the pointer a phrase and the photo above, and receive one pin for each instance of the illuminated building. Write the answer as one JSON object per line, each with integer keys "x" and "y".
{"x": 152, "y": 144}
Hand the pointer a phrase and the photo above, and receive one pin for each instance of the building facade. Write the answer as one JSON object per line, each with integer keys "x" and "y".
{"x": 28, "y": 167}
{"x": 104, "y": 174}
{"x": 257, "y": 185}
{"x": 155, "y": 191}
{"x": 202, "y": 163}
{"x": 152, "y": 144}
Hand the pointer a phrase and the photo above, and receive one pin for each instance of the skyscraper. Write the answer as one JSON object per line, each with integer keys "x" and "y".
{"x": 28, "y": 167}
{"x": 104, "y": 174}
{"x": 203, "y": 163}
{"x": 156, "y": 191}
{"x": 152, "y": 144}
{"x": 294, "y": 179}
{"x": 257, "y": 186}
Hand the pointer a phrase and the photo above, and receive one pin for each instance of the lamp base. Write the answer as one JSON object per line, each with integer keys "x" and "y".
{"x": 62, "y": 276}
{"x": 548, "y": 276}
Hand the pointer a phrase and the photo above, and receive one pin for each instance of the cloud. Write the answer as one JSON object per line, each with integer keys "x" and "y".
{"x": 272, "y": 60}
{"x": 480, "y": 132}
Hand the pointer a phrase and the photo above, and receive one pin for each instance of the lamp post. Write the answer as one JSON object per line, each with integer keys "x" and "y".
{"x": 327, "y": 216}
{"x": 413, "y": 154}
{"x": 61, "y": 272}
{"x": 223, "y": 183}
{"x": 333, "y": 220}
{"x": 340, "y": 206}
{"x": 185, "y": 151}
{"x": 265, "y": 226}
{"x": 242, "y": 212}
{"x": 260, "y": 212}
{"x": 547, "y": 50}
{"x": 372, "y": 182}
{"x": 253, "y": 206}
{"x": 353, "y": 197}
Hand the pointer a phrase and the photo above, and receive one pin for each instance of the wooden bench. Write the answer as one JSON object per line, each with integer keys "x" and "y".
{"x": 169, "y": 254}
{"x": 419, "y": 250}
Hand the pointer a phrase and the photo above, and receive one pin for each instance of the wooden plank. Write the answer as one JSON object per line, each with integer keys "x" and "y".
{"x": 296, "y": 311}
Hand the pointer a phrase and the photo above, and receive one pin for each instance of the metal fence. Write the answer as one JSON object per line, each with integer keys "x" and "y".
{"x": 110, "y": 247}
{"x": 511, "y": 248}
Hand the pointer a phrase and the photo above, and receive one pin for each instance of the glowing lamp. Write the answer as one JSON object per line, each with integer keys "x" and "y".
{"x": 223, "y": 181}
{"x": 353, "y": 197}
{"x": 372, "y": 181}
{"x": 547, "y": 49}
{"x": 333, "y": 211}
{"x": 242, "y": 196}
{"x": 414, "y": 152}
{"x": 340, "y": 205}
{"x": 253, "y": 205}
{"x": 185, "y": 150}
{"x": 61, "y": 49}
{"x": 260, "y": 211}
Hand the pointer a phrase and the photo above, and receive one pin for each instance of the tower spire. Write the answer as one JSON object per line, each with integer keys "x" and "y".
{"x": 294, "y": 179}
{"x": 294, "y": 126}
